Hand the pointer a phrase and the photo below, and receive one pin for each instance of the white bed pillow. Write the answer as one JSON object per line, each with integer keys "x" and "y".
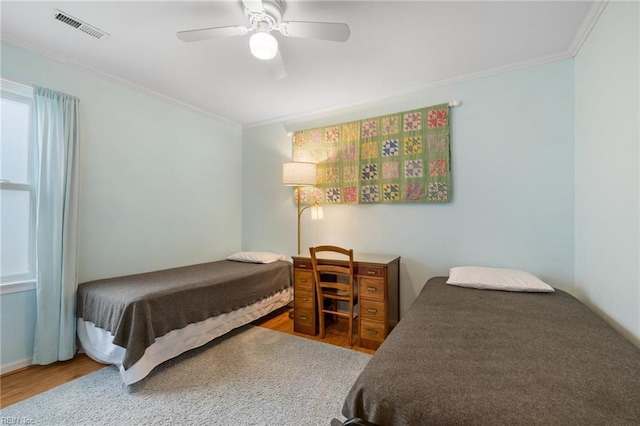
{"x": 256, "y": 257}
{"x": 496, "y": 279}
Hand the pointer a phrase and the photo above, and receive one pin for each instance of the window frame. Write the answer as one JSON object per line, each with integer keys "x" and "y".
{"x": 26, "y": 281}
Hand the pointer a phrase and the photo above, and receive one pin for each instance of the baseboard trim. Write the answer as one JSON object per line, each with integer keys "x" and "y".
{"x": 14, "y": 366}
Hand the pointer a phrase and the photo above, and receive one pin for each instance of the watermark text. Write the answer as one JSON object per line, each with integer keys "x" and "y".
{"x": 17, "y": 421}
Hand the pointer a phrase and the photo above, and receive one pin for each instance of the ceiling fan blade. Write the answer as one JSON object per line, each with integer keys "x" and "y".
{"x": 254, "y": 5}
{"x": 277, "y": 68}
{"x": 211, "y": 33}
{"x": 332, "y": 31}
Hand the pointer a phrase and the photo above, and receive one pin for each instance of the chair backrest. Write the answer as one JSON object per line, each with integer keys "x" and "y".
{"x": 321, "y": 269}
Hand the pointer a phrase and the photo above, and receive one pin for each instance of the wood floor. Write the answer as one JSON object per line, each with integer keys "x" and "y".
{"x": 22, "y": 384}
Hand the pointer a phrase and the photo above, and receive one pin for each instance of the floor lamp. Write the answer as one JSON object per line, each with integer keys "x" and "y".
{"x": 301, "y": 174}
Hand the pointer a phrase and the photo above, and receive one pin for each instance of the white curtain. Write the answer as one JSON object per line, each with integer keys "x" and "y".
{"x": 56, "y": 131}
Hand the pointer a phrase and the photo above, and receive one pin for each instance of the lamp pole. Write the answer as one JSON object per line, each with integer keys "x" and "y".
{"x": 299, "y": 220}
{"x": 299, "y": 174}
{"x": 299, "y": 215}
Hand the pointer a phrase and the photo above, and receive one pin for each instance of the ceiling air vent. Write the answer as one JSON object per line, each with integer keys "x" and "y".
{"x": 78, "y": 24}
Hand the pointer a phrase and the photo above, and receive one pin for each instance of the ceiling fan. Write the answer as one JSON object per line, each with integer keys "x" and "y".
{"x": 265, "y": 16}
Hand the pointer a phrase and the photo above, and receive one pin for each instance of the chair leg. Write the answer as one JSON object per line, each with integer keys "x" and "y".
{"x": 351, "y": 326}
{"x": 321, "y": 317}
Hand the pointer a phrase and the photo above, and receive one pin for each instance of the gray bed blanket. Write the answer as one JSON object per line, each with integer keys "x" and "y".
{"x": 465, "y": 356}
{"x": 137, "y": 309}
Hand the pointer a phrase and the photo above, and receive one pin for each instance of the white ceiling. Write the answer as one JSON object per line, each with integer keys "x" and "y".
{"x": 395, "y": 47}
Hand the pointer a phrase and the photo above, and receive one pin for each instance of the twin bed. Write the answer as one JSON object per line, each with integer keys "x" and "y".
{"x": 137, "y": 322}
{"x": 470, "y": 356}
{"x": 458, "y": 356}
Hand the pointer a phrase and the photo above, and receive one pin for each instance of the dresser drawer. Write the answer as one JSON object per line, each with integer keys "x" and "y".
{"x": 372, "y": 309}
{"x": 303, "y": 280}
{"x": 372, "y": 288}
{"x": 302, "y": 264}
{"x": 304, "y": 299}
{"x": 370, "y": 271}
{"x": 371, "y": 330}
{"x": 304, "y": 321}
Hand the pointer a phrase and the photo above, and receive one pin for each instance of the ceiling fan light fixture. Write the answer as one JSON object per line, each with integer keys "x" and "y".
{"x": 263, "y": 45}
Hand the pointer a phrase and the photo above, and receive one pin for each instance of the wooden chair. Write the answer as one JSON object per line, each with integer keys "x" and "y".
{"x": 334, "y": 284}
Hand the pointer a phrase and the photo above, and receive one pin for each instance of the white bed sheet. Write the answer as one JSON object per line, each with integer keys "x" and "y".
{"x": 97, "y": 343}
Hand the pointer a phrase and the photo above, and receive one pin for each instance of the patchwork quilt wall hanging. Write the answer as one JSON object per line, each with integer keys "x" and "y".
{"x": 396, "y": 158}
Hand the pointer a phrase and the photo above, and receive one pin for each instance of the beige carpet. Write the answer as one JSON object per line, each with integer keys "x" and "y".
{"x": 252, "y": 376}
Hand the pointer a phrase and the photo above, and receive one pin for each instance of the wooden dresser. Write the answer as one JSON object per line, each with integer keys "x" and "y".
{"x": 378, "y": 281}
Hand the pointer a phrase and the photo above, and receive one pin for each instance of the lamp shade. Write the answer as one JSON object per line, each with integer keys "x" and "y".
{"x": 263, "y": 45}
{"x": 298, "y": 174}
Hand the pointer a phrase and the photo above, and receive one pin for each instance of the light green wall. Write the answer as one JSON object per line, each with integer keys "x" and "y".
{"x": 512, "y": 159}
{"x": 607, "y": 158}
{"x": 160, "y": 185}
{"x": 17, "y": 329}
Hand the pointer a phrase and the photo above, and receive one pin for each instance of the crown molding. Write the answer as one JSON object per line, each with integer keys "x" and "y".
{"x": 587, "y": 25}
{"x": 319, "y": 114}
{"x": 111, "y": 78}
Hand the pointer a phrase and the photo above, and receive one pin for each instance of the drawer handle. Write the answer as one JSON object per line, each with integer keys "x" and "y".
{"x": 303, "y": 280}
{"x": 304, "y": 317}
{"x": 371, "y": 310}
{"x": 302, "y": 266}
{"x": 304, "y": 299}
{"x": 371, "y": 272}
{"x": 371, "y": 331}
{"x": 372, "y": 289}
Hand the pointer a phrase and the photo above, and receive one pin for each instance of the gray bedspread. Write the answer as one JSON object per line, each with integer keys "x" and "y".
{"x": 464, "y": 356}
{"x": 137, "y": 309}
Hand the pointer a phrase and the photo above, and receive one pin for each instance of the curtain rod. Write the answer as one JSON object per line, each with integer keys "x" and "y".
{"x": 291, "y": 130}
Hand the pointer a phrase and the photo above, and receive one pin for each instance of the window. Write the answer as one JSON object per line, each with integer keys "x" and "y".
{"x": 17, "y": 185}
